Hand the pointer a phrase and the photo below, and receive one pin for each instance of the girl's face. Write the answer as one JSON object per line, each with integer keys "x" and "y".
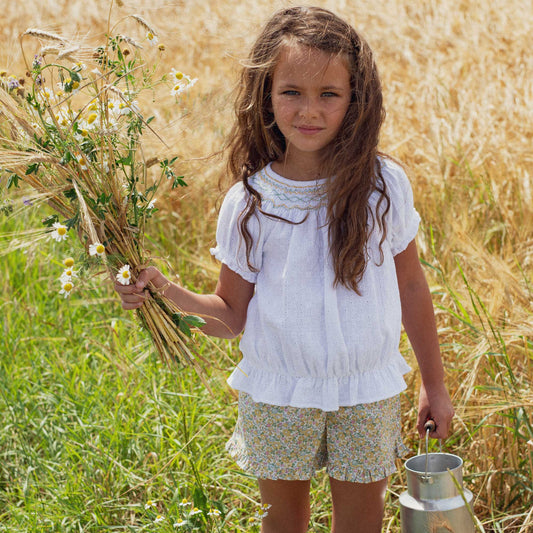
{"x": 310, "y": 96}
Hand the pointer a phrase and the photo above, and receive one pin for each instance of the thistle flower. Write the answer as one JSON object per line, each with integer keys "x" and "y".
{"x": 124, "y": 275}
{"x": 59, "y": 233}
{"x": 96, "y": 248}
{"x": 66, "y": 288}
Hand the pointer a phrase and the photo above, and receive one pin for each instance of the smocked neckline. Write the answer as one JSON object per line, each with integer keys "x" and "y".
{"x": 297, "y": 184}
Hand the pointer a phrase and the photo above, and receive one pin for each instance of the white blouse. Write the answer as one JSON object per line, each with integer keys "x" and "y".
{"x": 308, "y": 343}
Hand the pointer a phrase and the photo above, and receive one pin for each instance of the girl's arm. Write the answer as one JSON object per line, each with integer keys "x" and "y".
{"x": 224, "y": 311}
{"x": 419, "y": 322}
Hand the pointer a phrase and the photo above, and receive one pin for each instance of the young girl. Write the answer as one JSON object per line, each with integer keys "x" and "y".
{"x": 319, "y": 267}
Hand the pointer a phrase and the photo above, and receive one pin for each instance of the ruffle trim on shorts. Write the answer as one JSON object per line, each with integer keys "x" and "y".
{"x": 373, "y": 474}
{"x": 259, "y": 471}
{"x": 241, "y": 457}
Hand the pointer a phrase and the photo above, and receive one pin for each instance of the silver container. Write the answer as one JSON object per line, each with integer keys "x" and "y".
{"x": 433, "y": 502}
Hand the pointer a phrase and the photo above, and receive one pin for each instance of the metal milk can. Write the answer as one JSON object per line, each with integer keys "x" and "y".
{"x": 434, "y": 502}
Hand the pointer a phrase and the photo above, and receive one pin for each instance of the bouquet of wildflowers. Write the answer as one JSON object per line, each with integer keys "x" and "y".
{"x": 72, "y": 131}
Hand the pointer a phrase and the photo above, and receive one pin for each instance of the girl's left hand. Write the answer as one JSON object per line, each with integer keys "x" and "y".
{"x": 435, "y": 404}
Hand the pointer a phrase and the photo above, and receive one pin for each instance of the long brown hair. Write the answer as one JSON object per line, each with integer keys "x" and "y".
{"x": 255, "y": 140}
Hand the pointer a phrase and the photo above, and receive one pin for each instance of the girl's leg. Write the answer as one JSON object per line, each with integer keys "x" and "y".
{"x": 290, "y": 505}
{"x": 357, "y": 507}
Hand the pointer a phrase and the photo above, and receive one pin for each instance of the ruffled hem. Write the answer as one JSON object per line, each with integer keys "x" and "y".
{"x": 327, "y": 394}
{"x": 243, "y": 460}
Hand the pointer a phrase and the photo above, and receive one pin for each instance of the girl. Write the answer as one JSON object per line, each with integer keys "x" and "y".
{"x": 319, "y": 265}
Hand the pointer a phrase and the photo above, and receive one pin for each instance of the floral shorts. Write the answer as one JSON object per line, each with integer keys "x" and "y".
{"x": 358, "y": 444}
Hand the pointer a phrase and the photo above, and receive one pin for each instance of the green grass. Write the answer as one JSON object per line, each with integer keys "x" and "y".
{"x": 95, "y": 426}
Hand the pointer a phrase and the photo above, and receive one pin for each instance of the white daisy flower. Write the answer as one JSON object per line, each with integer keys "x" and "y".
{"x": 184, "y": 503}
{"x": 213, "y": 512}
{"x": 181, "y": 82}
{"x": 150, "y": 505}
{"x": 152, "y": 38}
{"x": 159, "y": 518}
{"x": 96, "y": 248}
{"x": 59, "y": 233}
{"x": 180, "y": 523}
{"x": 68, "y": 274}
{"x": 125, "y": 108}
{"x": 151, "y": 204}
{"x": 124, "y": 275}
{"x": 66, "y": 288}
{"x": 195, "y": 511}
{"x": 262, "y": 512}
{"x": 82, "y": 161}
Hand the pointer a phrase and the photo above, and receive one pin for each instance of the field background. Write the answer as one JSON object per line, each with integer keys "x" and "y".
{"x": 94, "y": 426}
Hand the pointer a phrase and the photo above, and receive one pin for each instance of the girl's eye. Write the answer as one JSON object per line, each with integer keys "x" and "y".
{"x": 290, "y": 93}
{"x": 329, "y": 94}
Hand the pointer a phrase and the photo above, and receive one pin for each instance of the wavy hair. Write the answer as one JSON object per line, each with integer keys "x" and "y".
{"x": 255, "y": 140}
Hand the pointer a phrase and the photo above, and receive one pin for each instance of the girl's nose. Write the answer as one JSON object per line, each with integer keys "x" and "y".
{"x": 308, "y": 108}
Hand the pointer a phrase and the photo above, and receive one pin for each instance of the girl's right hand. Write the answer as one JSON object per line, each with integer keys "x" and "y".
{"x": 133, "y": 296}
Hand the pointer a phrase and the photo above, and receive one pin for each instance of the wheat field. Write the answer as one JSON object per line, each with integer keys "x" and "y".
{"x": 458, "y": 86}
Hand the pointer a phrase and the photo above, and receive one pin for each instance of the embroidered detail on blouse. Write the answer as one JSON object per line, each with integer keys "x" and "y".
{"x": 284, "y": 193}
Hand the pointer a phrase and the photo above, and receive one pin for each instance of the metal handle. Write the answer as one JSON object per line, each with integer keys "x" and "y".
{"x": 430, "y": 425}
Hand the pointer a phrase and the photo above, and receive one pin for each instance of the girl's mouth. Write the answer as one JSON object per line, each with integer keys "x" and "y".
{"x": 308, "y": 130}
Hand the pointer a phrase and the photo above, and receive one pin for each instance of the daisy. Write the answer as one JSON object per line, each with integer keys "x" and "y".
{"x": 68, "y": 274}
{"x": 159, "y": 518}
{"x": 263, "y": 511}
{"x": 68, "y": 262}
{"x": 195, "y": 511}
{"x": 125, "y": 108}
{"x": 150, "y": 505}
{"x": 181, "y": 82}
{"x": 151, "y": 204}
{"x": 66, "y": 288}
{"x": 184, "y": 503}
{"x": 59, "y": 233}
{"x": 82, "y": 161}
{"x": 180, "y": 523}
{"x": 124, "y": 275}
{"x": 213, "y": 512}
{"x": 96, "y": 248}
{"x": 152, "y": 38}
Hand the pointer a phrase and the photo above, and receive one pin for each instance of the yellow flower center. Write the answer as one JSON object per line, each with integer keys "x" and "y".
{"x": 150, "y": 35}
{"x": 67, "y": 286}
{"x": 126, "y": 274}
{"x": 68, "y": 262}
{"x": 67, "y": 81}
{"x": 91, "y": 118}
{"x": 178, "y": 75}
{"x": 75, "y": 84}
{"x": 61, "y": 231}
{"x": 84, "y": 133}
{"x": 111, "y": 105}
{"x": 93, "y": 106}
{"x": 100, "y": 249}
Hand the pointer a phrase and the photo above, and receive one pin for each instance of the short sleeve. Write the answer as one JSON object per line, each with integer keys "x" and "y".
{"x": 230, "y": 248}
{"x": 404, "y": 219}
